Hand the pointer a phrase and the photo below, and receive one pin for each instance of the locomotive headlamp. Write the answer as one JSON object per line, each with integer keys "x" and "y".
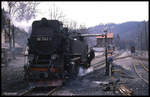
{"x": 72, "y": 62}
{"x": 53, "y": 57}
{"x": 75, "y": 38}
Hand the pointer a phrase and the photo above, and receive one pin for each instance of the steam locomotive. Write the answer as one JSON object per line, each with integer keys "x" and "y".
{"x": 54, "y": 53}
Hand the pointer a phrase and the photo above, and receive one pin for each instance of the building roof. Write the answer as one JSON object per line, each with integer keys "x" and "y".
{"x": 109, "y": 35}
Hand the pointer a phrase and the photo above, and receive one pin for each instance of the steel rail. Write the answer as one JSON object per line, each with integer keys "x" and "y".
{"x": 142, "y": 64}
{"x": 146, "y": 81}
{"x": 145, "y": 68}
{"x": 30, "y": 92}
{"x": 103, "y": 61}
{"x": 26, "y": 91}
{"x": 52, "y": 91}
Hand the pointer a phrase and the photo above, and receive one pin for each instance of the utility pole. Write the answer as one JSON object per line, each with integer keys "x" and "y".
{"x": 146, "y": 37}
{"x": 107, "y": 67}
{"x": 136, "y": 41}
{"x": 13, "y": 40}
{"x": 141, "y": 40}
{"x": 9, "y": 31}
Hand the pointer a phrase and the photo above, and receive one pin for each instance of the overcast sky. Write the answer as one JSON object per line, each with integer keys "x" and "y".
{"x": 94, "y": 13}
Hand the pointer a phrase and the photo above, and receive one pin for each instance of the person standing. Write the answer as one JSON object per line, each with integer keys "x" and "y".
{"x": 133, "y": 50}
{"x": 91, "y": 56}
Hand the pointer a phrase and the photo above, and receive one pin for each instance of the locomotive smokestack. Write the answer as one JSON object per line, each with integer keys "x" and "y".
{"x": 44, "y": 21}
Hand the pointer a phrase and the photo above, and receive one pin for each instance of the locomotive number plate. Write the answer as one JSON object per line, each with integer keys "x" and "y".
{"x": 43, "y": 38}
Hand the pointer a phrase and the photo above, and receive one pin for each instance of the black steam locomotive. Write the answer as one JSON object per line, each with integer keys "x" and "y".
{"x": 54, "y": 53}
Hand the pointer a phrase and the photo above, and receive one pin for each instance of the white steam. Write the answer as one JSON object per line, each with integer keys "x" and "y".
{"x": 83, "y": 71}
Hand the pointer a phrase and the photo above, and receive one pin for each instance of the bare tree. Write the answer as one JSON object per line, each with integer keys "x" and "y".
{"x": 72, "y": 24}
{"x": 82, "y": 26}
{"x": 22, "y": 10}
{"x": 18, "y": 11}
{"x": 27, "y": 10}
{"x": 56, "y": 14}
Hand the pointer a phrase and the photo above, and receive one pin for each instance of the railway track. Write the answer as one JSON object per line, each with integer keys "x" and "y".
{"x": 140, "y": 63}
{"x": 140, "y": 58}
{"x": 102, "y": 62}
{"x": 31, "y": 91}
{"x": 136, "y": 56}
{"x": 99, "y": 56}
{"x": 145, "y": 67}
{"x": 136, "y": 70}
{"x": 40, "y": 92}
{"x": 137, "y": 60}
{"x": 122, "y": 89}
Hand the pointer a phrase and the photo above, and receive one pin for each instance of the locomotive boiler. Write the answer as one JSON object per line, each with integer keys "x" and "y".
{"x": 54, "y": 53}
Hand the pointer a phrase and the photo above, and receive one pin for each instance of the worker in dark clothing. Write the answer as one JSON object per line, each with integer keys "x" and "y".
{"x": 110, "y": 63}
{"x": 132, "y": 50}
{"x": 91, "y": 56}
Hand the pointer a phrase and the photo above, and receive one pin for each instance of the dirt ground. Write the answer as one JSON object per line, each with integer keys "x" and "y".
{"x": 12, "y": 75}
{"x": 137, "y": 85}
{"x": 12, "y": 79}
{"x": 85, "y": 85}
